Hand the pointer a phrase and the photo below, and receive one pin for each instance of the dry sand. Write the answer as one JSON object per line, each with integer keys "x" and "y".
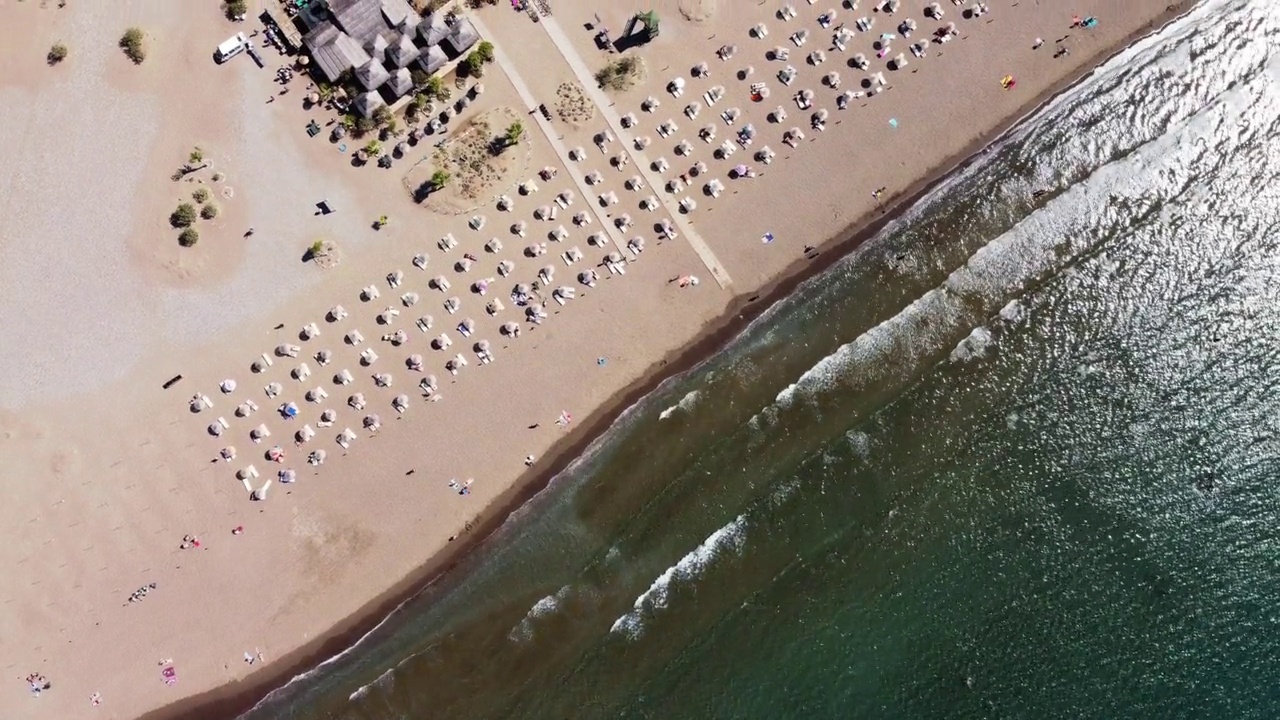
{"x": 107, "y": 471}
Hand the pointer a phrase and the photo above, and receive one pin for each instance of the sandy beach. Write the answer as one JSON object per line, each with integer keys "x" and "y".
{"x": 110, "y": 471}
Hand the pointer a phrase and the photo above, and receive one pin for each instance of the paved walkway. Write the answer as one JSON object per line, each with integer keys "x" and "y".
{"x": 584, "y": 191}
{"x": 588, "y": 82}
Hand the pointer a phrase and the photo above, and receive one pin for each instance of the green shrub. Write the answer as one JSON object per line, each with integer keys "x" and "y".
{"x": 189, "y": 237}
{"x": 235, "y": 8}
{"x": 383, "y": 115}
{"x": 485, "y": 51}
{"x": 196, "y": 155}
{"x": 209, "y": 212}
{"x": 201, "y": 195}
{"x": 57, "y": 54}
{"x": 132, "y": 42}
{"x": 472, "y": 65}
{"x": 183, "y": 216}
{"x": 620, "y": 74}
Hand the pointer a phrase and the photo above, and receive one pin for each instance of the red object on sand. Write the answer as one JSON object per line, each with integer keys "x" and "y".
{"x": 237, "y": 530}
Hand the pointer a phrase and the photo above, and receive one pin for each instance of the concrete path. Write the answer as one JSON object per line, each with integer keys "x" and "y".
{"x": 638, "y": 158}
{"x": 579, "y": 179}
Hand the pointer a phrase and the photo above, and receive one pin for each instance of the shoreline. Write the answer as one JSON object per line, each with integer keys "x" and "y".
{"x": 234, "y": 699}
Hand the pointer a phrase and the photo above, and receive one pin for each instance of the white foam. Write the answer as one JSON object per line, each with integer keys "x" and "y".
{"x": 860, "y": 443}
{"x": 686, "y": 404}
{"x": 730, "y": 538}
{"x": 523, "y": 630}
{"x": 974, "y": 346}
{"x": 386, "y": 679}
{"x": 1014, "y": 312}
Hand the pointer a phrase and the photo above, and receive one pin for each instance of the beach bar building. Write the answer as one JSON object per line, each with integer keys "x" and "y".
{"x": 380, "y": 43}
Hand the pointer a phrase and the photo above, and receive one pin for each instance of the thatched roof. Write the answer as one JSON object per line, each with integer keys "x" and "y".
{"x": 462, "y": 36}
{"x": 433, "y": 59}
{"x": 402, "y": 52}
{"x": 400, "y": 82}
{"x": 333, "y": 51}
{"x": 371, "y": 74}
{"x": 367, "y": 103}
{"x": 432, "y": 30}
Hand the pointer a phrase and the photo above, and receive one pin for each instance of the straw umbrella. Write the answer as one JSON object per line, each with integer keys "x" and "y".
{"x": 715, "y": 187}
{"x": 832, "y": 79}
{"x": 588, "y": 278}
{"x": 215, "y": 429}
{"x": 316, "y": 457}
{"x": 227, "y": 386}
{"x": 504, "y": 203}
{"x": 273, "y": 389}
{"x": 228, "y": 453}
{"x": 429, "y": 383}
{"x": 510, "y": 329}
{"x": 400, "y": 403}
{"x": 356, "y": 401}
{"x": 372, "y": 422}
{"x": 493, "y": 246}
{"x": 414, "y": 362}
{"x": 382, "y": 379}
{"x": 344, "y": 377}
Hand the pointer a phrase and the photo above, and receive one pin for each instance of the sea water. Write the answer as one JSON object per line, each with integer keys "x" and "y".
{"x": 1016, "y": 457}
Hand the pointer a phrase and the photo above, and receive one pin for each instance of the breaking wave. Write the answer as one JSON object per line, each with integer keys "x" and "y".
{"x": 729, "y": 539}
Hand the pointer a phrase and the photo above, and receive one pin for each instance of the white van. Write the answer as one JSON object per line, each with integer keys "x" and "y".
{"x": 235, "y": 45}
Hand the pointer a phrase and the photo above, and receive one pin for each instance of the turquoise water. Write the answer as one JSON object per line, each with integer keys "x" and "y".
{"x": 1014, "y": 458}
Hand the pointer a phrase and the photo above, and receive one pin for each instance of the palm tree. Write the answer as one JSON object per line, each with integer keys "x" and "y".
{"x": 440, "y": 178}
{"x": 514, "y": 132}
